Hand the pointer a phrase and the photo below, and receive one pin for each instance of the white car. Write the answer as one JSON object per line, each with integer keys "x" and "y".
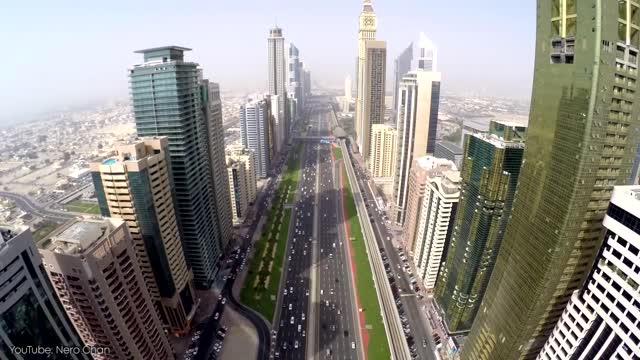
{"x": 353, "y": 345}
{"x": 295, "y": 345}
{"x": 292, "y": 320}
{"x": 303, "y": 316}
{"x": 290, "y": 307}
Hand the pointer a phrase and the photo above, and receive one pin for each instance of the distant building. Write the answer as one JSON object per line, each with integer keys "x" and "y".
{"x": 255, "y": 133}
{"x": 383, "y": 144}
{"x": 373, "y": 93}
{"x": 421, "y": 169}
{"x": 30, "y": 313}
{"x": 346, "y": 101}
{"x": 169, "y": 82}
{"x": 450, "y": 151}
{"x": 435, "y": 224}
{"x": 307, "y": 84}
{"x": 278, "y": 83}
{"x": 294, "y": 89}
{"x": 93, "y": 268}
{"x": 417, "y": 121}
{"x": 245, "y": 156}
{"x": 238, "y": 190}
{"x": 277, "y": 133}
{"x": 418, "y": 55}
{"x": 135, "y": 186}
{"x": 489, "y": 177}
{"x": 601, "y": 319}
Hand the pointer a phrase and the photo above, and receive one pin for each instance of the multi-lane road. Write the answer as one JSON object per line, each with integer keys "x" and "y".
{"x": 316, "y": 315}
{"x": 27, "y": 204}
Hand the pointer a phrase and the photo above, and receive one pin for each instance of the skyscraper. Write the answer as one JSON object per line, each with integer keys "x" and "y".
{"x": 346, "y": 101}
{"x": 93, "y": 268}
{"x": 373, "y": 93}
{"x": 294, "y": 76}
{"x": 168, "y": 100}
{"x": 237, "y": 175}
{"x": 278, "y": 84}
{"x": 489, "y": 177}
{"x": 417, "y": 120}
{"x": 634, "y": 179}
{"x": 435, "y": 222}
{"x": 135, "y": 185}
{"x": 245, "y": 156}
{"x": 215, "y": 135}
{"x": 30, "y": 314}
{"x": 383, "y": 145}
{"x": 450, "y": 151}
{"x": 255, "y": 133}
{"x": 367, "y": 25}
{"x": 307, "y": 84}
{"x": 580, "y": 144}
{"x": 601, "y": 319}
{"x": 421, "y": 54}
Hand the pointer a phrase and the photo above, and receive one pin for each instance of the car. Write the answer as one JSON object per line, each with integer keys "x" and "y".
{"x": 216, "y": 316}
{"x": 303, "y": 316}
{"x": 292, "y": 320}
{"x": 290, "y": 307}
{"x": 224, "y": 301}
{"x": 296, "y": 344}
{"x": 285, "y": 292}
{"x": 353, "y": 344}
{"x": 307, "y": 293}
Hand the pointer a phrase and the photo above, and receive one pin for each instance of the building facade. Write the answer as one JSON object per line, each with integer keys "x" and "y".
{"x": 245, "y": 156}
{"x": 435, "y": 224}
{"x": 93, "y": 268}
{"x": 418, "y": 55}
{"x": 215, "y": 134}
{"x": 417, "y": 119}
{"x": 367, "y": 27}
{"x": 601, "y": 319}
{"x": 489, "y": 177}
{"x": 278, "y": 83}
{"x": 580, "y": 144}
{"x": 450, "y": 151}
{"x": 383, "y": 146}
{"x": 30, "y": 313}
{"x": 294, "y": 77}
{"x": 373, "y": 93}
{"x": 167, "y": 97}
{"x": 135, "y": 186}
{"x": 255, "y": 133}
{"x": 634, "y": 179}
{"x": 238, "y": 190}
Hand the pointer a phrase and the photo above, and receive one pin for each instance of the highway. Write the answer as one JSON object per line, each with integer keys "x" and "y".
{"x": 316, "y": 315}
{"x": 27, "y": 204}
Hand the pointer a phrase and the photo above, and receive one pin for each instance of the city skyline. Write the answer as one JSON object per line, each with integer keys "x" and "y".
{"x": 243, "y": 69}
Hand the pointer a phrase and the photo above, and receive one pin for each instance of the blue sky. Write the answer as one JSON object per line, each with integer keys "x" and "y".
{"x": 61, "y": 53}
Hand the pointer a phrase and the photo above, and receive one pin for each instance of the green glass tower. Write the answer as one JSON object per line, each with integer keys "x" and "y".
{"x": 489, "y": 177}
{"x": 580, "y": 143}
{"x": 168, "y": 96}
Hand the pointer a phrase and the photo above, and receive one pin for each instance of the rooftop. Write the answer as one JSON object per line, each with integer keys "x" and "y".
{"x": 162, "y": 48}
{"x": 454, "y": 148}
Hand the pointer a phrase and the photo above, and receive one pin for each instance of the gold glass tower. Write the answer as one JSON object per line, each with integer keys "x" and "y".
{"x": 580, "y": 143}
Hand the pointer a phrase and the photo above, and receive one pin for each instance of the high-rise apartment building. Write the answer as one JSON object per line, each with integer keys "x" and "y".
{"x": 278, "y": 84}
{"x": 245, "y": 156}
{"x": 435, "y": 221}
{"x": 489, "y": 177}
{"x": 277, "y": 125}
{"x": 255, "y": 133}
{"x": 382, "y": 154}
{"x": 418, "y": 55}
{"x": 367, "y": 27}
{"x": 215, "y": 134}
{"x": 600, "y": 321}
{"x": 450, "y": 151}
{"x": 373, "y": 93}
{"x": 30, "y": 314}
{"x": 417, "y": 119}
{"x": 580, "y": 144}
{"x": 168, "y": 100}
{"x": 307, "y": 84}
{"x": 421, "y": 169}
{"x": 135, "y": 185}
{"x": 346, "y": 101}
{"x": 93, "y": 269}
{"x": 237, "y": 174}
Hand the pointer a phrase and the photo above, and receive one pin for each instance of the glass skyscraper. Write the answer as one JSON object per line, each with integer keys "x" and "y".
{"x": 489, "y": 177}
{"x": 168, "y": 100}
{"x": 581, "y": 141}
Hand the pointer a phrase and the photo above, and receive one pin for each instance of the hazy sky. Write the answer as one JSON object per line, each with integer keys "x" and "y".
{"x": 61, "y": 53}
